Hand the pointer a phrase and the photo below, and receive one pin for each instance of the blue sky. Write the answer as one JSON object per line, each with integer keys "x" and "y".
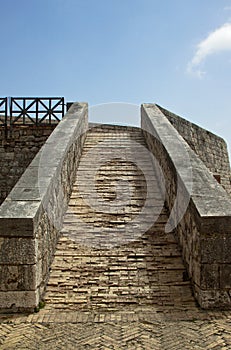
{"x": 176, "y": 53}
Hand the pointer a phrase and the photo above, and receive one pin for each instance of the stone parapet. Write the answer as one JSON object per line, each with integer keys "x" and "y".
{"x": 17, "y": 150}
{"x": 31, "y": 216}
{"x": 210, "y": 148}
{"x": 200, "y": 210}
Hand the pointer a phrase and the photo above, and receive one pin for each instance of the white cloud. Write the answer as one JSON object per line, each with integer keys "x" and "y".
{"x": 217, "y": 41}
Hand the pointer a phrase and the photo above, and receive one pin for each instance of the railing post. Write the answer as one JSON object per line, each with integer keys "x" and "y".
{"x": 63, "y": 110}
{"x": 37, "y": 111}
{"x": 11, "y": 108}
{"x": 3, "y": 113}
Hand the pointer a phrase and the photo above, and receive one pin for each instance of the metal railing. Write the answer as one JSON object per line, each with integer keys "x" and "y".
{"x": 36, "y": 111}
{"x": 3, "y": 111}
{"x": 30, "y": 111}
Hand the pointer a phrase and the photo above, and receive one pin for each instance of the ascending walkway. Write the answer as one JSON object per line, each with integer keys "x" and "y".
{"x": 117, "y": 280}
{"x": 105, "y": 260}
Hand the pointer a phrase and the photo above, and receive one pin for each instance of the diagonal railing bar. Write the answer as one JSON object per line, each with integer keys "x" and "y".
{"x": 31, "y": 113}
{"x": 16, "y": 103}
{"x": 3, "y": 111}
{"x": 22, "y": 110}
{"x": 43, "y": 104}
{"x": 46, "y": 115}
{"x": 52, "y": 111}
{"x": 59, "y": 103}
{"x": 31, "y": 104}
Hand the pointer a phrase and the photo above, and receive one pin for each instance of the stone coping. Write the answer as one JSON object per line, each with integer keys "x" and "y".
{"x": 21, "y": 210}
{"x": 165, "y": 111}
{"x": 208, "y": 197}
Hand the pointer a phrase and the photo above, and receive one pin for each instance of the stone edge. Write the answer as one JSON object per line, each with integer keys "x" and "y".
{"x": 20, "y": 217}
{"x": 210, "y": 200}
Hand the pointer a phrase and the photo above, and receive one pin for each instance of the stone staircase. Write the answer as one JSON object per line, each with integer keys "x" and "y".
{"x": 113, "y": 253}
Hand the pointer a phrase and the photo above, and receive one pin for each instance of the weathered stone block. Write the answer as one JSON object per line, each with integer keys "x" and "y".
{"x": 211, "y": 149}
{"x": 209, "y": 299}
{"x": 211, "y": 249}
{"x": 14, "y": 301}
{"x": 205, "y": 229}
{"x": 18, "y": 251}
{"x": 21, "y": 148}
{"x": 226, "y": 256}
{"x": 17, "y": 277}
{"x": 29, "y": 227}
{"x": 195, "y": 271}
{"x": 8, "y": 277}
{"x": 19, "y": 218}
{"x": 225, "y": 276}
{"x": 210, "y": 276}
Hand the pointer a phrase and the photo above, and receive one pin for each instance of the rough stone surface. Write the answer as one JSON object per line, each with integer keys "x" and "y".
{"x": 204, "y": 229}
{"x": 32, "y": 214}
{"x": 130, "y": 296}
{"x": 17, "y": 151}
{"x": 211, "y": 148}
{"x": 101, "y": 265}
{"x": 122, "y": 330}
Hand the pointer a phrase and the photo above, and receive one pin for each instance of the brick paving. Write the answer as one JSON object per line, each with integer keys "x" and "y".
{"x": 109, "y": 292}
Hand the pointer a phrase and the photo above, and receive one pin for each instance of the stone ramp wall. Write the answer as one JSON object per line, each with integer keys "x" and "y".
{"x": 200, "y": 208}
{"x": 31, "y": 216}
{"x": 17, "y": 151}
{"x": 211, "y": 148}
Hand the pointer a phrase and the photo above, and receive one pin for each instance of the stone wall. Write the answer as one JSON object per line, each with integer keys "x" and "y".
{"x": 200, "y": 210}
{"x": 211, "y": 148}
{"x": 17, "y": 151}
{"x": 31, "y": 216}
